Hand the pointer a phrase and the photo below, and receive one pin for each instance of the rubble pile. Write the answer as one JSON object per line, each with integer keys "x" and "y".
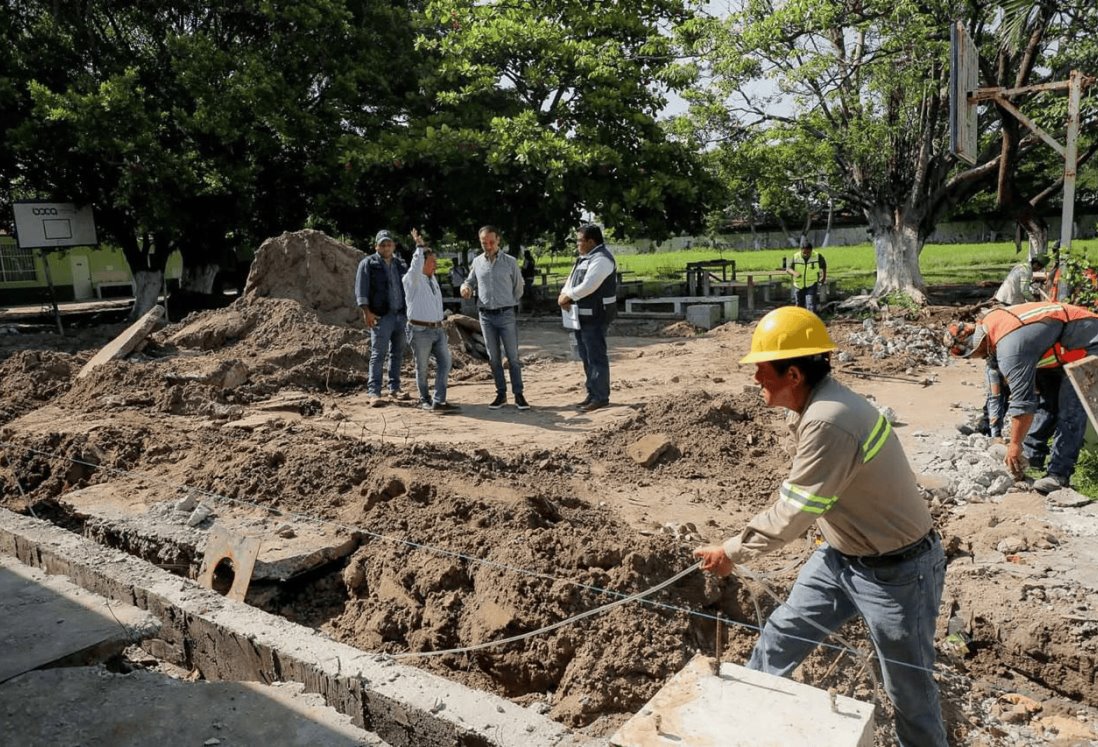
{"x": 972, "y": 469}
{"x": 892, "y": 338}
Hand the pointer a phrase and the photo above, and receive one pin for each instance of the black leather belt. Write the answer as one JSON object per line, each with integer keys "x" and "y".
{"x": 500, "y": 310}
{"x": 914, "y": 550}
{"x": 424, "y": 324}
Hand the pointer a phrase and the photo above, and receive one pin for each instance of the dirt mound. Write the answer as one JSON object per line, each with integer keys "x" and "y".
{"x": 32, "y": 377}
{"x": 733, "y": 440}
{"x": 311, "y": 268}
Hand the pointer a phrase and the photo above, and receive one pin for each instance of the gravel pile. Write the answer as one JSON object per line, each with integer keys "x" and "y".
{"x": 895, "y": 337}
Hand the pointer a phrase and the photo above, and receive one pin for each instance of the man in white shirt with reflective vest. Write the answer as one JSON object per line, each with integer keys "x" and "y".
{"x": 881, "y": 559}
{"x": 425, "y": 332}
{"x": 593, "y": 287}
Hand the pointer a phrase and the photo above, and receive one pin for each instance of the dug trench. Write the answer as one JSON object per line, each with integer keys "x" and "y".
{"x": 440, "y": 532}
{"x": 541, "y": 553}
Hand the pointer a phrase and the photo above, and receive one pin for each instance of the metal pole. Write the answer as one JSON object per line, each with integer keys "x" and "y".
{"x": 1071, "y": 158}
{"x": 53, "y": 296}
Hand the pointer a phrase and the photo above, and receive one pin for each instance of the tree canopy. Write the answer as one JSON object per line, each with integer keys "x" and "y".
{"x": 205, "y": 127}
{"x": 861, "y": 88}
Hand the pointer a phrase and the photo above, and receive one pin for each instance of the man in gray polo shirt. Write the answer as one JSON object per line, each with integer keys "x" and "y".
{"x": 496, "y": 279}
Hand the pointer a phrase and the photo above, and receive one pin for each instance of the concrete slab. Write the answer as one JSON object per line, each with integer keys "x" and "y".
{"x": 126, "y": 342}
{"x": 743, "y": 708}
{"x": 89, "y": 705}
{"x": 147, "y": 520}
{"x": 227, "y": 640}
{"x": 49, "y": 621}
{"x": 705, "y": 316}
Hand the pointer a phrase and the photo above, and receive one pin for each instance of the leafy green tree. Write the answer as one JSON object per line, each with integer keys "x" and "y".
{"x": 546, "y": 111}
{"x": 202, "y": 127}
{"x": 865, "y": 84}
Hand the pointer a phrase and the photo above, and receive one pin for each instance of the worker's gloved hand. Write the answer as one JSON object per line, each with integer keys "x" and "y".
{"x": 1016, "y": 461}
{"x": 714, "y": 560}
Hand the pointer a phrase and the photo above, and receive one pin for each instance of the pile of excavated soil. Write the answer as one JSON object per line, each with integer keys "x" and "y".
{"x": 311, "y": 268}
{"x": 30, "y": 378}
{"x": 733, "y": 441}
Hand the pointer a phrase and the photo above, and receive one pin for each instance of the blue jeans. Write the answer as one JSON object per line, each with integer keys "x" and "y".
{"x": 386, "y": 338}
{"x": 501, "y": 339}
{"x": 591, "y": 346}
{"x": 899, "y": 604}
{"x": 997, "y": 394}
{"x": 425, "y": 342}
{"x": 1035, "y": 445}
{"x": 1059, "y": 416}
{"x": 807, "y": 298}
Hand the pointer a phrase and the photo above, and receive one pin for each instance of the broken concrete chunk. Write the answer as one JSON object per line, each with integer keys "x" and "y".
{"x": 650, "y": 449}
{"x": 1011, "y": 545}
{"x": 199, "y": 515}
{"x": 126, "y": 342}
{"x": 187, "y": 503}
{"x": 1067, "y": 498}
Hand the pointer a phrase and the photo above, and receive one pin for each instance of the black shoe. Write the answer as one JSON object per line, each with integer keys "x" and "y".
{"x": 521, "y": 403}
{"x": 582, "y": 405}
{"x": 498, "y": 402}
{"x": 594, "y": 405}
{"x": 445, "y": 407}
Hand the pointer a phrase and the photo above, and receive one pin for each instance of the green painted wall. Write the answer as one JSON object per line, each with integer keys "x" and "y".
{"x": 106, "y": 264}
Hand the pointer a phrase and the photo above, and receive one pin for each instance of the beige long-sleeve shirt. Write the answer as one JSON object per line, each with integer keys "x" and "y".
{"x": 850, "y": 476}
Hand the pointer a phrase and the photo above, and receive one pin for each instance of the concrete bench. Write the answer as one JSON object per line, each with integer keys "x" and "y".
{"x": 114, "y": 284}
{"x": 729, "y": 304}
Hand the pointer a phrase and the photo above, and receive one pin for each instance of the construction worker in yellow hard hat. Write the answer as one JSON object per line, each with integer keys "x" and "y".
{"x": 881, "y": 560}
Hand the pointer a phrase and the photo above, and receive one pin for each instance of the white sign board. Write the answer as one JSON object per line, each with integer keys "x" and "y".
{"x": 52, "y": 225}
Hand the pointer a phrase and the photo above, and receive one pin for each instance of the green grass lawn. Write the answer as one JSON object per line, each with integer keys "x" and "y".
{"x": 852, "y": 266}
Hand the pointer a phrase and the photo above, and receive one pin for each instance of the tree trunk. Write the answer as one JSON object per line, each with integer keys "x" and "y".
{"x": 147, "y": 286}
{"x": 830, "y": 216}
{"x": 785, "y": 229}
{"x": 898, "y": 239}
{"x": 200, "y": 279}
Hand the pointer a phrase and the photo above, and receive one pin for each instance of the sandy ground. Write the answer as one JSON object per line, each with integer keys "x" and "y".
{"x": 528, "y": 515}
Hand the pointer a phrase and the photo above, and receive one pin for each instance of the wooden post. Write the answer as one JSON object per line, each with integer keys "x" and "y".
{"x": 1084, "y": 377}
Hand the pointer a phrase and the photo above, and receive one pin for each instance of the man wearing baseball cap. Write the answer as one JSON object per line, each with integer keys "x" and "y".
{"x": 1021, "y": 337}
{"x": 380, "y": 294}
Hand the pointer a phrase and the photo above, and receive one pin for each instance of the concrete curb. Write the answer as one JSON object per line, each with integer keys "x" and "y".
{"x": 228, "y": 640}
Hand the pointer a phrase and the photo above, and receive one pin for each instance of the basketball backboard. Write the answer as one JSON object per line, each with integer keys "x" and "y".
{"x": 963, "y": 80}
{"x": 53, "y": 225}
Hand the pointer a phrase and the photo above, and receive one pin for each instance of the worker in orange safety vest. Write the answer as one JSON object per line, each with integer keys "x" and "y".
{"x": 1020, "y": 337}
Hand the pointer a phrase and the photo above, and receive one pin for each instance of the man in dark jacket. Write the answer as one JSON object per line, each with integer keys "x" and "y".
{"x": 380, "y": 294}
{"x": 592, "y": 286}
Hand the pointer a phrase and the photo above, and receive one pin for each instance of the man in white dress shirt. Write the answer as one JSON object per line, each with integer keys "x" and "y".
{"x": 425, "y": 332}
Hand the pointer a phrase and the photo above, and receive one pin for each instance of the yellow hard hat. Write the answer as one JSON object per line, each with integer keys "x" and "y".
{"x": 788, "y": 332}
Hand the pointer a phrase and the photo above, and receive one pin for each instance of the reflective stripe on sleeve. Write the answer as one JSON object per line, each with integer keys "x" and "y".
{"x": 805, "y": 501}
{"x": 876, "y": 439}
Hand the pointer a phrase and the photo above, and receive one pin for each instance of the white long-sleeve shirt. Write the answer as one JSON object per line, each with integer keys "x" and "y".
{"x": 1018, "y": 286}
{"x": 598, "y": 269}
{"x": 421, "y": 292}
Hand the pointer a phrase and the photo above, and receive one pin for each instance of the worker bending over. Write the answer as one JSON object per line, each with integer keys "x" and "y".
{"x": 1020, "y": 337}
